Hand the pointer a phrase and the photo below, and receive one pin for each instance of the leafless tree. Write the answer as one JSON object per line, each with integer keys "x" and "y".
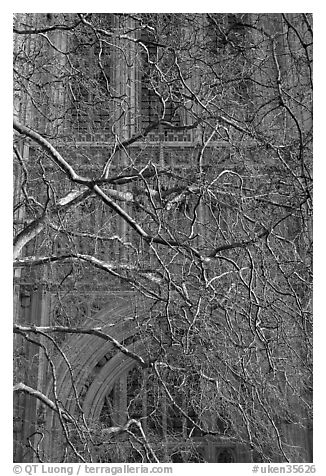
{"x": 170, "y": 155}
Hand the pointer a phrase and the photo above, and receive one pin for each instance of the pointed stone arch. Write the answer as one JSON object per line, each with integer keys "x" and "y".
{"x": 95, "y": 365}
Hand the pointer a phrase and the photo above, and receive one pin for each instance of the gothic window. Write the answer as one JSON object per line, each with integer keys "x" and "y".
{"x": 145, "y": 401}
{"x": 150, "y": 106}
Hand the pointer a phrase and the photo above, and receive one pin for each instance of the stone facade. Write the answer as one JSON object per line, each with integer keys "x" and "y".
{"x": 107, "y": 384}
